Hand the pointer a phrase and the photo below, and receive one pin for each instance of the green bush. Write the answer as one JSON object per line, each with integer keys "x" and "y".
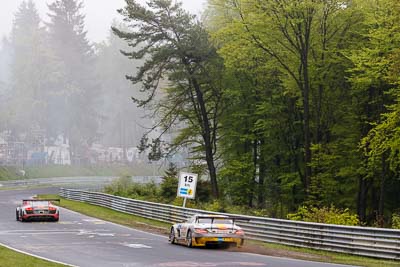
{"x": 125, "y": 187}
{"x": 169, "y": 184}
{"x": 148, "y": 191}
{"x": 215, "y": 205}
{"x": 168, "y": 188}
{"x": 331, "y": 215}
{"x": 203, "y": 191}
{"x": 119, "y": 187}
{"x": 260, "y": 213}
{"x": 396, "y": 220}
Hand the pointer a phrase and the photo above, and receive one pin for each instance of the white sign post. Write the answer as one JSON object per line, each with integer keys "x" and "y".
{"x": 187, "y": 186}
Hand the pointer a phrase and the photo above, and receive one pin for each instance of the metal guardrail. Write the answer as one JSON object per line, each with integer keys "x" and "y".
{"x": 79, "y": 181}
{"x": 91, "y": 183}
{"x": 363, "y": 241}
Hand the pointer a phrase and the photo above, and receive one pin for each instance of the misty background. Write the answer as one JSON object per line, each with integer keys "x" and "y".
{"x": 99, "y": 14}
{"x": 63, "y": 92}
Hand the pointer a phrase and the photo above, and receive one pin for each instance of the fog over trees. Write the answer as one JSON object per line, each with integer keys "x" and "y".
{"x": 128, "y": 122}
{"x": 279, "y": 104}
{"x": 54, "y": 80}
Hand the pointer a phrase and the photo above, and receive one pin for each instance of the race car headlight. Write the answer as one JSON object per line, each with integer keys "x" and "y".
{"x": 239, "y": 232}
{"x": 200, "y": 231}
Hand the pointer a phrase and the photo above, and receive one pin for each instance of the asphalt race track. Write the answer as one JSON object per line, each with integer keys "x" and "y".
{"x": 80, "y": 240}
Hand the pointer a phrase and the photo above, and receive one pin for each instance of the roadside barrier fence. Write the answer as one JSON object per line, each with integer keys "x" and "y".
{"x": 363, "y": 241}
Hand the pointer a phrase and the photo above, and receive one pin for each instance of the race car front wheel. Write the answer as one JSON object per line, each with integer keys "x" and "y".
{"x": 189, "y": 239}
{"x": 17, "y": 215}
{"x": 172, "y": 236}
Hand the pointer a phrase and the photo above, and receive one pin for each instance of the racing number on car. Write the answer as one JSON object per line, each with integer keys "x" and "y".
{"x": 187, "y": 185}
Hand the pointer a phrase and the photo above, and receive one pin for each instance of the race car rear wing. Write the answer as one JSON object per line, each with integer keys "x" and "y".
{"x": 236, "y": 218}
{"x": 43, "y": 199}
{"x": 233, "y": 218}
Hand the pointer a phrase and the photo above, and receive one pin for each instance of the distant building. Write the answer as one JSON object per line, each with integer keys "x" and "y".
{"x": 36, "y": 153}
{"x": 58, "y": 155}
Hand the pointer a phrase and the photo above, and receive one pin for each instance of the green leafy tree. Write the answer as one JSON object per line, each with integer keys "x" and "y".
{"x": 376, "y": 72}
{"x": 175, "y": 46}
{"x": 300, "y": 41}
{"x": 291, "y": 81}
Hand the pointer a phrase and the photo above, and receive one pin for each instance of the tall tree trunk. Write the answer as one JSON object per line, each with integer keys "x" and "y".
{"x": 204, "y": 122}
{"x": 254, "y": 176}
{"x": 324, "y": 40}
{"x": 362, "y": 198}
{"x": 261, "y": 176}
{"x": 307, "y": 135}
{"x": 212, "y": 172}
{"x": 381, "y": 204}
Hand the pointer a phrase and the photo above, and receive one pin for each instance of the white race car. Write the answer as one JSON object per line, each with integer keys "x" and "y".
{"x": 201, "y": 230}
{"x": 37, "y": 209}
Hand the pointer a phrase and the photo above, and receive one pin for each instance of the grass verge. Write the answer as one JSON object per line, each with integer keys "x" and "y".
{"x": 251, "y": 246}
{"x": 10, "y": 257}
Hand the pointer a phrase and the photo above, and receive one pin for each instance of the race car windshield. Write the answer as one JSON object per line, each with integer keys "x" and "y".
{"x": 222, "y": 221}
{"x": 39, "y": 203}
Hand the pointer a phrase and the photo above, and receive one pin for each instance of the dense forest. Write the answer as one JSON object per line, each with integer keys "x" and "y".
{"x": 282, "y": 103}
